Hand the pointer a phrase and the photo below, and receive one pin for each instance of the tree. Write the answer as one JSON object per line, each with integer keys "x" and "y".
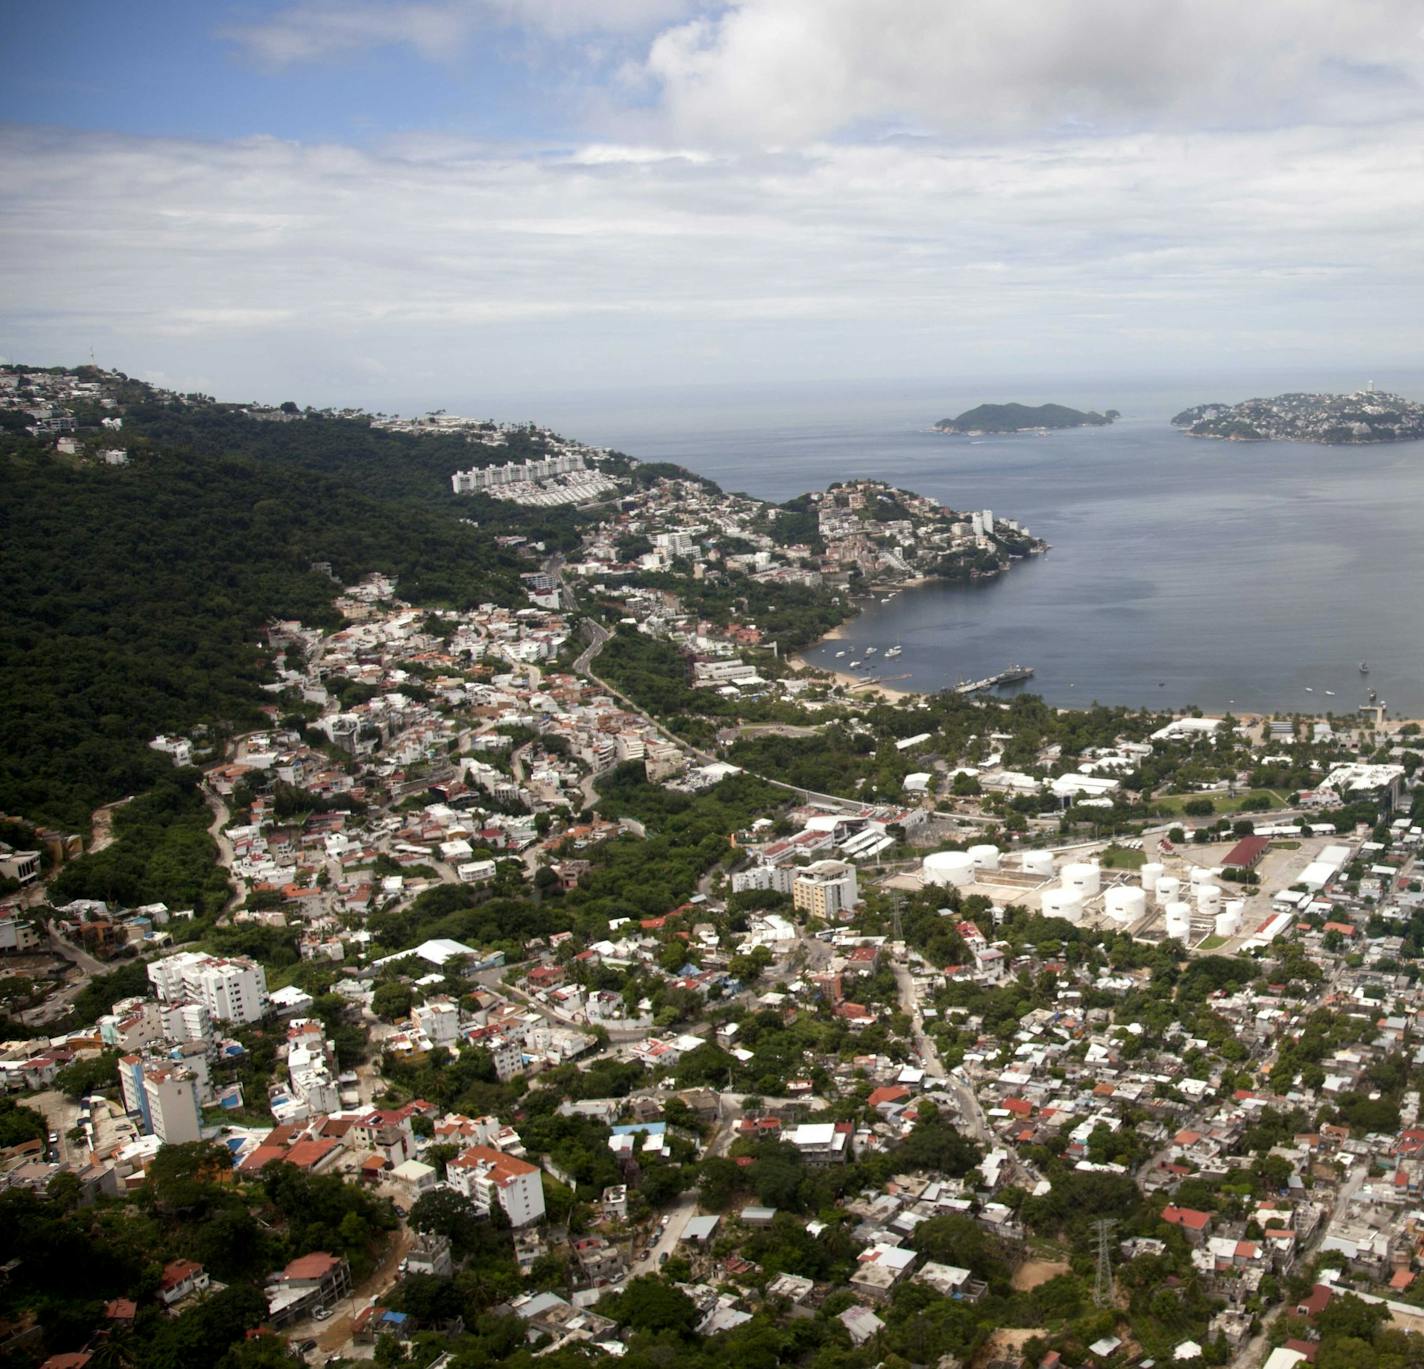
{"x": 184, "y": 1178}
{"x": 392, "y": 1000}
{"x": 443, "y": 1212}
{"x": 266, "y": 1351}
{"x": 954, "y": 1239}
{"x": 87, "y": 1076}
{"x": 19, "y": 1123}
{"x": 1345, "y": 1315}
{"x": 649, "y": 1304}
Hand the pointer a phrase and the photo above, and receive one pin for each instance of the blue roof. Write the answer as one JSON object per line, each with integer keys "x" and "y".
{"x": 629, "y": 1128}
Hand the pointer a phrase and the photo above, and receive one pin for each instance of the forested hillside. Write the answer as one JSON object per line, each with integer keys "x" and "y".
{"x": 132, "y": 597}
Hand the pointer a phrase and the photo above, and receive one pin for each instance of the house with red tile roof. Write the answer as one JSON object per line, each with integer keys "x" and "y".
{"x": 488, "y": 1177}
{"x": 181, "y": 1279}
{"x": 1192, "y": 1223}
{"x": 886, "y": 1094}
{"x": 309, "y": 1282}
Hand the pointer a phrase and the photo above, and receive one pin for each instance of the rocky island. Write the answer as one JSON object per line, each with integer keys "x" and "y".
{"x": 1022, "y": 418}
{"x": 1337, "y": 420}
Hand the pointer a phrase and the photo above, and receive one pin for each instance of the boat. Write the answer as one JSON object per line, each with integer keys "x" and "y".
{"x": 892, "y": 651}
{"x": 1374, "y": 694}
{"x": 1330, "y": 692}
{"x": 870, "y": 650}
{"x": 1364, "y": 668}
{"x": 1014, "y": 674}
{"x": 839, "y": 654}
{"x": 855, "y": 665}
{"x": 1309, "y": 690}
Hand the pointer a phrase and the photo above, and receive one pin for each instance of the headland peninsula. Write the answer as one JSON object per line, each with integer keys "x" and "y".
{"x": 1366, "y": 416}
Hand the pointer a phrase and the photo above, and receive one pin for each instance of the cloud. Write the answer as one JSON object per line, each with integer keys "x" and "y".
{"x": 318, "y": 30}
{"x": 325, "y": 268}
{"x": 784, "y": 71}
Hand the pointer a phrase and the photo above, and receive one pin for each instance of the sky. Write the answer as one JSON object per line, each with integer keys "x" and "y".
{"x": 452, "y": 201}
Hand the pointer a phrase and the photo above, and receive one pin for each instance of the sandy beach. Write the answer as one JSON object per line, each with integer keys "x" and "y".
{"x": 853, "y": 683}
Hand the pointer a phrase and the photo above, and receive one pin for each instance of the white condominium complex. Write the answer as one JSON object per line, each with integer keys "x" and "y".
{"x": 231, "y": 989}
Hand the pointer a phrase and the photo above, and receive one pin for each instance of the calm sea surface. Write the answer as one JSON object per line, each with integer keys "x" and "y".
{"x": 1182, "y": 571}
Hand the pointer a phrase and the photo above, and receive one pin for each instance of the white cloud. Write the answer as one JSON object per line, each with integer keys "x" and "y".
{"x": 778, "y": 71}
{"x": 324, "y": 269}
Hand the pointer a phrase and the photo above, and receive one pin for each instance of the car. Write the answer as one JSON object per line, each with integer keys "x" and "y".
{"x": 306, "y": 1347}
{"x": 321, "y": 1314}
{"x": 400, "y": 1211}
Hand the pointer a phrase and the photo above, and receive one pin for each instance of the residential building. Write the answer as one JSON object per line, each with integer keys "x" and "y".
{"x": 231, "y": 989}
{"x": 826, "y": 889}
{"x": 171, "y": 1103}
{"x": 487, "y": 1176}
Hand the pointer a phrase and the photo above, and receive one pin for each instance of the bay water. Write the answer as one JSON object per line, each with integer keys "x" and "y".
{"x": 1254, "y": 576}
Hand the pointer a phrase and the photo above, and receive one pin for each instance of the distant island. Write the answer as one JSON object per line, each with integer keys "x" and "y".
{"x": 1337, "y": 420}
{"x": 1022, "y": 418}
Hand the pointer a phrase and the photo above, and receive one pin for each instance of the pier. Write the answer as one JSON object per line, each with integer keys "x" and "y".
{"x": 1012, "y": 675}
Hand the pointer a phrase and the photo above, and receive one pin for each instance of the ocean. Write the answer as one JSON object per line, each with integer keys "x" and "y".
{"x": 1182, "y": 572}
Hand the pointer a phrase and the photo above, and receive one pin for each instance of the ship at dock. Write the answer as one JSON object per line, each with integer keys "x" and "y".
{"x": 1012, "y": 675}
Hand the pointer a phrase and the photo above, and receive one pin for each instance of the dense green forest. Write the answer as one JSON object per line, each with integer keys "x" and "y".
{"x": 133, "y": 597}
{"x": 161, "y": 853}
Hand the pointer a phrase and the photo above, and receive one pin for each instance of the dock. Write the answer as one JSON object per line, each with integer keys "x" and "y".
{"x": 1012, "y": 675}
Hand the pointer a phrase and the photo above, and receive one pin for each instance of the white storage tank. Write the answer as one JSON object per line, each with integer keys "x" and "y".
{"x": 1038, "y": 862}
{"x": 1202, "y": 874}
{"x": 1208, "y": 897}
{"x": 1083, "y": 876}
{"x": 985, "y": 857}
{"x": 948, "y": 867}
{"x": 1168, "y": 887}
{"x": 1179, "y": 921}
{"x": 1064, "y": 903}
{"x": 1151, "y": 873}
{"x": 1228, "y": 921}
{"x": 1125, "y": 903}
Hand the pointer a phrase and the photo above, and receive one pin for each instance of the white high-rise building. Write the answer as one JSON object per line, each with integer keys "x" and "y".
{"x": 188, "y": 1021}
{"x": 439, "y": 1019}
{"x": 487, "y": 1176}
{"x": 778, "y": 877}
{"x": 171, "y": 1094}
{"x": 231, "y": 989}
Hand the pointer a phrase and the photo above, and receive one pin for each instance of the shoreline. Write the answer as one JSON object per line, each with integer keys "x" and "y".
{"x": 853, "y": 684}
